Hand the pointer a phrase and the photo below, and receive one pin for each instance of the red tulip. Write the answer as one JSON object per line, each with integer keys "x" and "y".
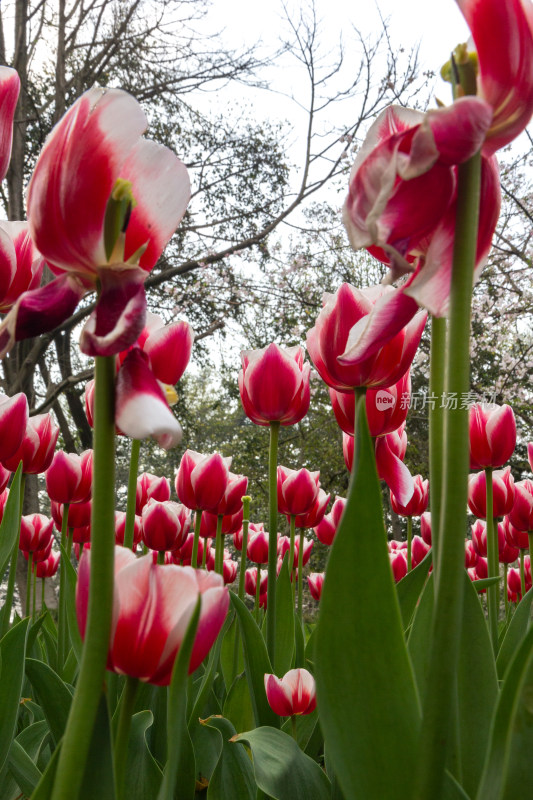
{"x": 492, "y": 432}
{"x": 386, "y": 409}
{"x": 530, "y": 454}
{"x": 165, "y": 525}
{"x": 330, "y": 342}
{"x": 102, "y": 204}
{"x": 21, "y": 266}
{"x": 230, "y": 503}
{"x": 274, "y": 385}
{"x": 471, "y": 554}
{"x": 250, "y": 581}
{"x": 316, "y": 581}
{"x": 79, "y": 514}
{"x": 69, "y": 477}
{"x": 48, "y": 567}
{"x": 82, "y": 535}
{"x": 257, "y": 550}
{"x": 515, "y": 537}
{"x": 13, "y": 424}
{"x": 37, "y": 449}
{"x": 327, "y": 527}
{"x": 201, "y": 481}
{"x": 284, "y": 545}
{"x": 120, "y": 529}
{"x": 418, "y": 502}
{"x": 316, "y": 512}
{"x": 35, "y": 533}
{"x": 168, "y": 348}
{"x": 150, "y": 487}
{"x": 9, "y": 92}
{"x": 390, "y": 452}
{"x": 521, "y": 514}
{"x": 503, "y": 493}
{"x": 297, "y": 490}
{"x": 253, "y": 527}
{"x": 231, "y": 523}
{"x": 425, "y": 527}
{"x": 398, "y": 561}
{"x": 294, "y": 694}
{"x": 419, "y": 550}
{"x": 184, "y": 554}
{"x": 503, "y": 37}
{"x": 152, "y": 607}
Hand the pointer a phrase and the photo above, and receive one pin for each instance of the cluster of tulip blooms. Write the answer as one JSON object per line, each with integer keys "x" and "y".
{"x": 173, "y": 674}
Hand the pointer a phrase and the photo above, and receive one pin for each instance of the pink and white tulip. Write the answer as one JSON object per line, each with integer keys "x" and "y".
{"x": 9, "y": 92}
{"x": 294, "y": 694}
{"x": 274, "y": 385}
{"x": 492, "y": 435}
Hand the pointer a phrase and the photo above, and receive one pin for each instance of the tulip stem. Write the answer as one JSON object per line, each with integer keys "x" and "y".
{"x": 204, "y": 553}
{"x": 132, "y": 493}
{"x": 294, "y": 730}
{"x": 34, "y": 591}
{"x": 42, "y": 594}
{"x": 6, "y": 613}
{"x": 257, "y": 593}
{"x": 62, "y": 611}
{"x": 492, "y": 560}
{"x": 292, "y": 534}
{"x": 530, "y": 540}
{"x": 161, "y": 556}
{"x": 300, "y": 576}
{"x": 272, "y": 539}
{"x": 245, "y": 523}
{"x": 197, "y": 525}
{"x": 522, "y": 572}
{"x": 409, "y": 541}
{"x": 127, "y": 704}
{"x": 82, "y": 716}
{"x": 438, "y": 706}
{"x": 28, "y": 584}
{"x": 436, "y": 425}
{"x": 219, "y": 546}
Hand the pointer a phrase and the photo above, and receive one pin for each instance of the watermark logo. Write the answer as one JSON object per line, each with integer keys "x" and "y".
{"x": 385, "y": 401}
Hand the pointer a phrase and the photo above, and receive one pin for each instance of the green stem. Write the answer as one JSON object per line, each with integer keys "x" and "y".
{"x": 245, "y": 522}
{"x": 28, "y": 585}
{"x": 505, "y": 597}
{"x": 300, "y": 576}
{"x": 62, "y": 609}
{"x": 493, "y": 595}
{"x": 10, "y": 591}
{"x": 272, "y": 539}
{"x": 438, "y": 706}
{"x": 292, "y": 534}
{"x": 522, "y": 572}
{"x": 530, "y": 540}
{"x": 204, "y": 552}
{"x": 132, "y": 493}
{"x": 409, "y": 542}
{"x": 197, "y": 524}
{"x": 42, "y": 593}
{"x": 293, "y": 728}
{"x": 82, "y": 716}
{"x": 258, "y": 593}
{"x": 219, "y": 547}
{"x": 127, "y": 704}
{"x": 436, "y": 425}
{"x": 161, "y": 557}
{"x": 34, "y": 592}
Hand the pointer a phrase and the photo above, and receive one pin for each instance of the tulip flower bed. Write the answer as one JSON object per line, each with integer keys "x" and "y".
{"x": 154, "y": 679}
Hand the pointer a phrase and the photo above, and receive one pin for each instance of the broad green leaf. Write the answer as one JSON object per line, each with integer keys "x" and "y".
{"x": 53, "y": 695}
{"x": 143, "y": 776}
{"x": 310, "y": 650}
{"x": 420, "y": 635}
{"x": 49, "y": 637}
{"x": 515, "y": 693}
{"x": 231, "y": 640}
{"x": 233, "y": 777}
{"x": 180, "y": 753}
{"x": 206, "y": 752}
{"x": 281, "y": 770}
{"x": 520, "y": 769}
{"x": 410, "y": 588}
{"x": 10, "y": 525}
{"x": 305, "y": 728}
{"x": 516, "y": 631}
{"x": 477, "y": 688}
{"x": 23, "y": 769}
{"x": 238, "y": 706}
{"x": 367, "y": 697}
{"x": 99, "y": 776}
{"x": 12, "y": 654}
{"x": 209, "y": 674}
{"x": 257, "y": 664}
{"x": 285, "y": 623}
{"x": 300, "y": 653}
{"x": 44, "y": 788}
{"x": 484, "y": 583}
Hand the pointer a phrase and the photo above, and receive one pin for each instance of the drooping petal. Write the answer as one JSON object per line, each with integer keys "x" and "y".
{"x": 141, "y": 408}
{"x": 393, "y": 471}
{"x": 40, "y": 310}
{"x": 118, "y": 318}
{"x": 503, "y": 36}
{"x": 9, "y": 92}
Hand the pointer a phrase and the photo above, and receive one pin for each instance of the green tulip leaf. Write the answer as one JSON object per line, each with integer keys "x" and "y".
{"x": 281, "y": 769}
{"x": 516, "y": 631}
{"x": 410, "y": 588}
{"x": 53, "y": 695}
{"x": 12, "y": 654}
{"x": 233, "y": 775}
{"x": 238, "y": 706}
{"x": 143, "y": 776}
{"x": 285, "y": 622}
{"x": 367, "y": 698}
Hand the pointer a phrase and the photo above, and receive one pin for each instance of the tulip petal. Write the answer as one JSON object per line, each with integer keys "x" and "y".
{"x": 9, "y": 92}
{"x": 169, "y": 350}
{"x": 393, "y": 471}
{"x": 40, "y": 310}
{"x": 141, "y": 407}
{"x": 118, "y": 318}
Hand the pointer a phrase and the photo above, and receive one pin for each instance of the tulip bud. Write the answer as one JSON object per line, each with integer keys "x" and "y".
{"x": 293, "y": 694}
{"x": 316, "y": 581}
{"x": 274, "y": 385}
{"x": 492, "y": 431}
{"x": 503, "y": 493}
